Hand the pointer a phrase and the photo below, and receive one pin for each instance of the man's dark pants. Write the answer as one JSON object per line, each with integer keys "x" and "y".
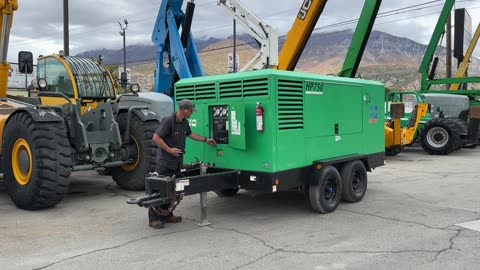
{"x": 152, "y": 215}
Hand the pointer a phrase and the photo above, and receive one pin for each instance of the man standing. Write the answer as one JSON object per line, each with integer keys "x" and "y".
{"x": 170, "y": 137}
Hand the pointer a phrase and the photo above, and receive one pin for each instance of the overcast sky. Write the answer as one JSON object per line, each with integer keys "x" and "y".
{"x": 38, "y": 24}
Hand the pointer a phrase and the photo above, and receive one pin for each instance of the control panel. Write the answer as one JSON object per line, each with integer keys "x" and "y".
{"x": 220, "y": 123}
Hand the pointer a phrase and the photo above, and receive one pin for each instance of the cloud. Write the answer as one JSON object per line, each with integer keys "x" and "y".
{"x": 38, "y": 25}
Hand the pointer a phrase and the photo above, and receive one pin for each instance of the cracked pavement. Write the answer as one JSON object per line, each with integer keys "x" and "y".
{"x": 406, "y": 221}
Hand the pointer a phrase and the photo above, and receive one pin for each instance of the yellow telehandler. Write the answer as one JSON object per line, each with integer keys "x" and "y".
{"x": 75, "y": 122}
{"x": 396, "y": 136}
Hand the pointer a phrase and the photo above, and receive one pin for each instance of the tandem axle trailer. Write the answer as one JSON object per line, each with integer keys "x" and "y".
{"x": 279, "y": 130}
{"x": 325, "y": 182}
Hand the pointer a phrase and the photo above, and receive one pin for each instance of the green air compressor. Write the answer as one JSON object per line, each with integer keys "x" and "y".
{"x": 279, "y": 130}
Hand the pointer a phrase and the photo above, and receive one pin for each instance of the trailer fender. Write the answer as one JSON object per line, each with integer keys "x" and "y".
{"x": 314, "y": 178}
{"x": 317, "y": 168}
{"x": 371, "y": 161}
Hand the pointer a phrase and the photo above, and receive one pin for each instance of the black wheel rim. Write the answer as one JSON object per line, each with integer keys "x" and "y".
{"x": 330, "y": 190}
{"x": 357, "y": 182}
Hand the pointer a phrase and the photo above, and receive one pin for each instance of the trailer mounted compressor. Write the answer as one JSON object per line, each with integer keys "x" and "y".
{"x": 318, "y": 133}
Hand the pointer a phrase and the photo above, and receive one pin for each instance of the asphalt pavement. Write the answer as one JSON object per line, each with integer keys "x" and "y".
{"x": 420, "y": 212}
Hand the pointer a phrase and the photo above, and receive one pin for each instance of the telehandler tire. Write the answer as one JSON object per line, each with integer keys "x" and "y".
{"x": 132, "y": 176}
{"x": 463, "y": 128}
{"x": 36, "y": 162}
{"x": 439, "y": 136}
{"x": 354, "y": 181}
{"x": 325, "y": 196}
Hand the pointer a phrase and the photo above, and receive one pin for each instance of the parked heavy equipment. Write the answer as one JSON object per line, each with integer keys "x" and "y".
{"x": 265, "y": 36}
{"x": 277, "y": 130}
{"x": 7, "y": 8}
{"x": 299, "y": 34}
{"x": 177, "y": 56}
{"x": 452, "y": 122}
{"x": 76, "y": 122}
{"x": 438, "y": 131}
{"x": 434, "y": 135}
{"x": 401, "y": 127}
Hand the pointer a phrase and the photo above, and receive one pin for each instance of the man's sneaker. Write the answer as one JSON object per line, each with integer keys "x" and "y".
{"x": 172, "y": 219}
{"x": 156, "y": 224}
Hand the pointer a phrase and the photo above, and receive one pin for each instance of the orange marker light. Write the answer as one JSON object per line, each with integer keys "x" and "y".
{"x": 277, "y": 182}
{"x": 319, "y": 167}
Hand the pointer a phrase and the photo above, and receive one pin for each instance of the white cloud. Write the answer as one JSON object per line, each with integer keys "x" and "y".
{"x": 38, "y": 25}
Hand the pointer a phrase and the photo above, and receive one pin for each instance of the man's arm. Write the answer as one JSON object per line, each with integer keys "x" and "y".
{"x": 160, "y": 142}
{"x": 196, "y": 137}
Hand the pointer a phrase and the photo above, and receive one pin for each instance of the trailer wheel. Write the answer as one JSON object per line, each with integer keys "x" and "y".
{"x": 326, "y": 194}
{"x": 354, "y": 181}
{"x": 439, "y": 136}
{"x": 35, "y": 161}
{"x": 142, "y": 148}
{"x": 227, "y": 192}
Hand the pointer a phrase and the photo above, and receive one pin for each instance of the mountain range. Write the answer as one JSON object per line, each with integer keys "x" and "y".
{"x": 387, "y": 58}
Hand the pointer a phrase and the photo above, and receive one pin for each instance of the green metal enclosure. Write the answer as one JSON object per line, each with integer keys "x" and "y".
{"x": 306, "y": 118}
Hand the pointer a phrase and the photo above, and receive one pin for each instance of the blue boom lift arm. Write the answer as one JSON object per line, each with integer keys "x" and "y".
{"x": 179, "y": 51}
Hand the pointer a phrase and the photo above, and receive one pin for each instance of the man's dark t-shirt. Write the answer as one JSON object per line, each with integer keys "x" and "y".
{"x": 174, "y": 133}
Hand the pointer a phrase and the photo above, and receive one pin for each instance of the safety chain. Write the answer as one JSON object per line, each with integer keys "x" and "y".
{"x": 173, "y": 204}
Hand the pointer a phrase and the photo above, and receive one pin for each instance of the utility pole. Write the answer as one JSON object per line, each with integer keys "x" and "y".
{"x": 234, "y": 45}
{"x": 66, "y": 41}
{"x": 123, "y": 76}
{"x": 448, "y": 47}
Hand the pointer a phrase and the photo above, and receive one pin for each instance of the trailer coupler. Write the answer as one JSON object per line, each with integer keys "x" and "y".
{"x": 162, "y": 190}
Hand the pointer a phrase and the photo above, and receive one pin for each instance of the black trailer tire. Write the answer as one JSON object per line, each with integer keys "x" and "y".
{"x": 36, "y": 162}
{"x": 229, "y": 192}
{"x": 354, "y": 181}
{"x": 132, "y": 177}
{"x": 326, "y": 194}
{"x": 439, "y": 136}
{"x": 394, "y": 150}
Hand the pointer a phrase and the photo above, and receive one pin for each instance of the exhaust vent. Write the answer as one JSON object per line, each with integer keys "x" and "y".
{"x": 244, "y": 88}
{"x": 290, "y": 104}
{"x": 195, "y": 92}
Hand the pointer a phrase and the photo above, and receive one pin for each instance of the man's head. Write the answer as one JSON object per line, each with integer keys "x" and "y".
{"x": 186, "y": 107}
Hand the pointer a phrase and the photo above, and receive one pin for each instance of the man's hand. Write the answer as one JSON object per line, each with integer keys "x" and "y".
{"x": 175, "y": 152}
{"x": 211, "y": 142}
